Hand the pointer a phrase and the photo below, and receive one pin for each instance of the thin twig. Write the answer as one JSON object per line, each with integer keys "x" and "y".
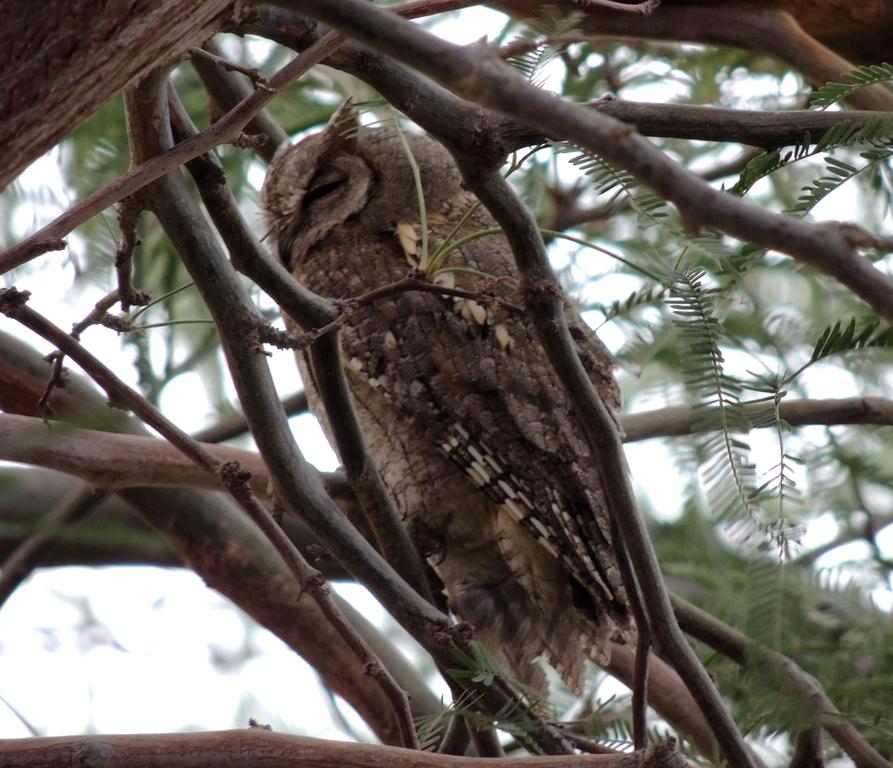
{"x": 225, "y": 64}
{"x": 129, "y": 210}
{"x": 227, "y": 89}
{"x": 97, "y": 316}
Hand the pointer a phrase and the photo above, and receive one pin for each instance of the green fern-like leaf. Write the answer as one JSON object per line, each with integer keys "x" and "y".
{"x": 607, "y": 179}
{"x": 875, "y": 134}
{"x": 549, "y": 25}
{"x": 430, "y": 729}
{"x": 869, "y": 74}
{"x": 727, "y": 470}
{"x": 653, "y": 210}
{"x": 838, "y": 173}
{"x": 645, "y": 296}
{"x": 779, "y": 485}
{"x": 843, "y": 337}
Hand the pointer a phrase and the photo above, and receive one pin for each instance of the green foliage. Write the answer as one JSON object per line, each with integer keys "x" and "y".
{"x": 832, "y": 93}
{"x": 718, "y": 416}
{"x": 840, "y": 338}
{"x": 873, "y": 138}
{"x": 647, "y": 295}
{"x": 550, "y": 24}
{"x": 838, "y": 173}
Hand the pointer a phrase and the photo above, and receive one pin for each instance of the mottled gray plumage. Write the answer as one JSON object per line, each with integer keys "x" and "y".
{"x": 464, "y": 417}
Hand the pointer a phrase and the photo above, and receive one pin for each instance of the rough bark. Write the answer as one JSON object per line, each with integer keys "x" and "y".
{"x": 62, "y": 61}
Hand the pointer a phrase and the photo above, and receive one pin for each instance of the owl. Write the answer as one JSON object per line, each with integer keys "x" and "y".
{"x": 463, "y": 415}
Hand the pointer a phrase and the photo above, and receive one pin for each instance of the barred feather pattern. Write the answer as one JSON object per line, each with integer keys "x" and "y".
{"x": 552, "y": 524}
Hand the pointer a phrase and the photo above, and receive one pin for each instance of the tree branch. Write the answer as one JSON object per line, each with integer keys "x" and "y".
{"x": 765, "y": 129}
{"x": 743, "y": 651}
{"x": 53, "y": 80}
{"x": 260, "y": 748}
{"x": 677, "y": 420}
{"x": 476, "y": 74}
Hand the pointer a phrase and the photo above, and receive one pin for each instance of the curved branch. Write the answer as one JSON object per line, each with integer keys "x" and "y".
{"x": 212, "y": 536}
{"x": 475, "y": 73}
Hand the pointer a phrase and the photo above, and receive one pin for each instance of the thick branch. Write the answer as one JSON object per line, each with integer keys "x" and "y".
{"x": 476, "y": 74}
{"x": 113, "y": 461}
{"x": 61, "y": 62}
{"x": 258, "y": 747}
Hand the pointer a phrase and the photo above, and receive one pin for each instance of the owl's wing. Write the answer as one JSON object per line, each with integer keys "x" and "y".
{"x": 481, "y": 388}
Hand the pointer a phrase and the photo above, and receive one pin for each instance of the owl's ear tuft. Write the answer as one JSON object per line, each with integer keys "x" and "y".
{"x": 340, "y": 133}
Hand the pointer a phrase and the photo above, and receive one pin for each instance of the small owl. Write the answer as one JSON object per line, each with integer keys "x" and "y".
{"x": 465, "y": 419}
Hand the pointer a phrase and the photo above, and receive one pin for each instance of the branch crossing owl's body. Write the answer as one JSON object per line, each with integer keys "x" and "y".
{"x": 464, "y": 417}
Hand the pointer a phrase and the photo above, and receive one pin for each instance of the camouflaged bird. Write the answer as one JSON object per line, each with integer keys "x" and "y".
{"x": 465, "y": 419}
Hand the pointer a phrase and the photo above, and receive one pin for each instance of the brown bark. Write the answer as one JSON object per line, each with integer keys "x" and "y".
{"x": 822, "y": 39}
{"x": 62, "y": 61}
{"x": 260, "y": 747}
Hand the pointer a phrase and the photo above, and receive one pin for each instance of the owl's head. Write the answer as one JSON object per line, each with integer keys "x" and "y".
{"x": 348, "y": 172}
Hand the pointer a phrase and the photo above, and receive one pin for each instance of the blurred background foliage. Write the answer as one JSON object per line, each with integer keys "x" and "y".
{"x": 693, "y": 318}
